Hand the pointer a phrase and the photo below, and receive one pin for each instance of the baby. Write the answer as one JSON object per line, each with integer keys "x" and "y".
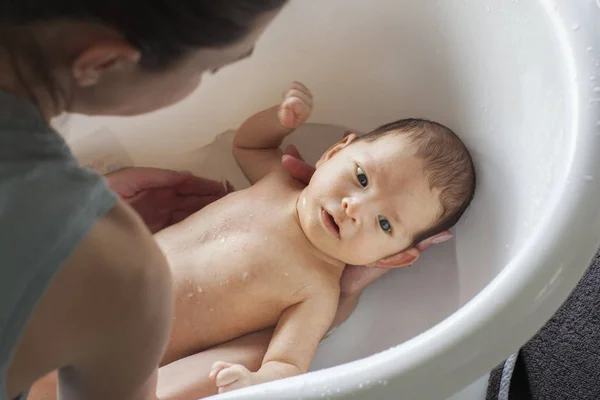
{"x": 273, "y": 254}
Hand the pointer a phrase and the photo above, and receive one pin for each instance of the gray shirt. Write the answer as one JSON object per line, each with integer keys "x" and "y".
{"x": 47, "y": 206}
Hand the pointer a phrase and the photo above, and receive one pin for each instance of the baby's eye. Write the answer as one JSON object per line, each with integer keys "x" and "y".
{"x": 362, "y": 178}
{"x": 385, "y": 224}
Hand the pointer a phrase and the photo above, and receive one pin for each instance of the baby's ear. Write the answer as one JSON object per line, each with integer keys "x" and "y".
{"x": 398, "y": 260}
{"x": 333, "y": 150}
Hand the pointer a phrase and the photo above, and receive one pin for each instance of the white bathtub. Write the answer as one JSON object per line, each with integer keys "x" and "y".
{"x": 519, "y": 81}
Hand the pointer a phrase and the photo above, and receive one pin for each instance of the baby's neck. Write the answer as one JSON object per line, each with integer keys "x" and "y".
{"x": 336, "y": 266}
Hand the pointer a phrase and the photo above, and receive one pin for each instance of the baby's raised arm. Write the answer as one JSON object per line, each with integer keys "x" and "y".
{"x": 292, "y": 348}
{"x": 257, "y": 141}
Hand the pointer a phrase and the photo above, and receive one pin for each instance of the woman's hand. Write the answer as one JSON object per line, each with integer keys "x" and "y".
{"x": 163, "y": 197}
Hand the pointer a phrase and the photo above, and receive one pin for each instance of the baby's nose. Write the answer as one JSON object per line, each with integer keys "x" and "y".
{"x": 351, "y": 207}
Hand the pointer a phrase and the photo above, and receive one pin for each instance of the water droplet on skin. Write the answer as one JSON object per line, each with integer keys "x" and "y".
{"x": 246, "y": 275}
{"x": 199, "y": 289}
{"x": 575, "y": 26}
{"x": 190, "y": 295}
{"x": 212, "y": 310}
{"x": 286, "y": 274}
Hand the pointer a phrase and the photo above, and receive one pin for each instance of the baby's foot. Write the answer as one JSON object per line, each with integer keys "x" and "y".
{"x": 230, "y": 377}
{"x": 296, "y": 106}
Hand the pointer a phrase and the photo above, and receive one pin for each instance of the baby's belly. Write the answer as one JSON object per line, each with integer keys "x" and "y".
{"x": 227, "y": 280}
{"x": 217, "y": 303}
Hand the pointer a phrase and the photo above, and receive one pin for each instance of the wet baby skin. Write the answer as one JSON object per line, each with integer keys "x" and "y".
{"x": 273, "y": 254}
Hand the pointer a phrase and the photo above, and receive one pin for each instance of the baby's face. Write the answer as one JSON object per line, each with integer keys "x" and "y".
{"x": 368, "y": 201}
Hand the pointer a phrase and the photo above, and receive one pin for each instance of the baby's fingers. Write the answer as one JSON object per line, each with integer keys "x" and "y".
{"x": 287, "y": 117}
{"x": 234, "y": 386}
{"x": 227, "y": 377}
{"x": 306, "y": 98}
{"x": 232, "y": 374}
{"x": 218, "y": 367}
{"x": 301, "y": 87}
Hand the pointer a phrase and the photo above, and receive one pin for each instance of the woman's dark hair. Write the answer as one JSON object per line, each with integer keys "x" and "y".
{"x": 163, "y": 30}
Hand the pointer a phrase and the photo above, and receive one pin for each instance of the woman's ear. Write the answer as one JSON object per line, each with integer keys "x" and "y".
{"x": 333, "y": 150}
{"x": 100, "y": 58}
{"x": 399, "y": 260}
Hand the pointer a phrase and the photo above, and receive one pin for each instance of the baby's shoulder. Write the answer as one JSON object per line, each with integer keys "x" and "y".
{"x": 280, "y": 182}
{"x": 319, "y": 276}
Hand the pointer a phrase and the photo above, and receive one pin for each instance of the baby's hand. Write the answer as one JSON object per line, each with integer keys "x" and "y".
{"x": 296, "y": 106}
{"x": 230, "y": 377}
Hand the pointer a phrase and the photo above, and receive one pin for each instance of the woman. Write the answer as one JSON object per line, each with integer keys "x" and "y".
{"x": 83, "y": 287}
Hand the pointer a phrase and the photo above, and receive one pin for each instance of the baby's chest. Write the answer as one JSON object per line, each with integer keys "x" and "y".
{"x": 260, "y": 254}
{"x": 259, "y": 263}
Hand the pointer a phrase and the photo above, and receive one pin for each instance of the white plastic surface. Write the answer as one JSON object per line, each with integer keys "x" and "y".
{"x": 519, "y": 81}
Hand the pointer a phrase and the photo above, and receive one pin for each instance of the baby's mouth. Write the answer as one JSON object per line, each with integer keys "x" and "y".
{"x": 330, "y": 223}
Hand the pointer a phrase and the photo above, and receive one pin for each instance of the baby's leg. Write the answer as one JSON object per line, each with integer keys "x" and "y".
{"x": 187, "y": 379}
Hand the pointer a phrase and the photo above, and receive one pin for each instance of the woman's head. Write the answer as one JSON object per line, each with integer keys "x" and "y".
{"x": 127, "y": 57}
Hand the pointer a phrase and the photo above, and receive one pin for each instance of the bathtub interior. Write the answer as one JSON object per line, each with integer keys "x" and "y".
{"x": 480, "y": 67}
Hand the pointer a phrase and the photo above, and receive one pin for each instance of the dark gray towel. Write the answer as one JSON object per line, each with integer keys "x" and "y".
{"x": 562, "y": 361}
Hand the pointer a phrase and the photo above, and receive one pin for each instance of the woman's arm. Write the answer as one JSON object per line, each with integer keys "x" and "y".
{"x": 104, "y": 321}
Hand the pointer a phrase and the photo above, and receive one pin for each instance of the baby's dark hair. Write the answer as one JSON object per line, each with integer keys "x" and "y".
{"x": 163, "y": 30}
{"x": 447, "y": 162}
